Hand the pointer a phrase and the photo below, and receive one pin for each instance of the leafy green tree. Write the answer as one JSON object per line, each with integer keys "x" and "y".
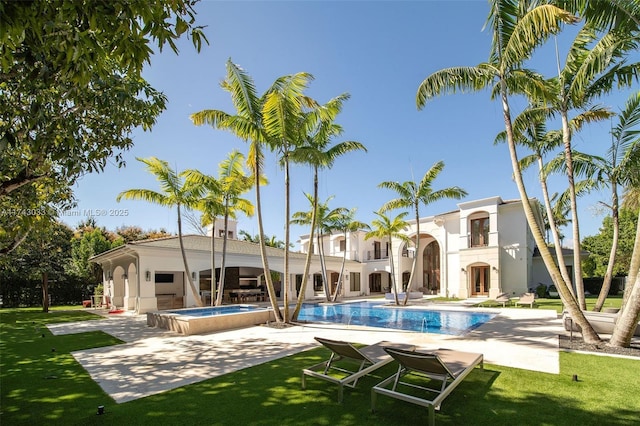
{"x": 89, "y": 243}
{"x": 412, "y": 195}
{"x": 71, "y": 91}
{"x": 387, "y": 228}
{"x": 175, "y": 193}
{"x": 43, "y": 257}
{"x": 599, "y": 245}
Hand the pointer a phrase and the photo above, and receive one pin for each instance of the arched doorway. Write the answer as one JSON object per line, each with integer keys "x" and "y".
{"x": 431, "y": 267}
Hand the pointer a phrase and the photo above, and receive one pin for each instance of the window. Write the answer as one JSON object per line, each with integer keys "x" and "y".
{"x": 343, "y": 245}
{"x": 354, "y": 281}
{"x": 376, "y": 250}
{"x": 220, "y": 233}
{"x": 480, "y": 232}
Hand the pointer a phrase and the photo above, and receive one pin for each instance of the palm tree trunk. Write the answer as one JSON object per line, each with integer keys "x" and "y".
{"x": 214, "y": 295}
{"x": 323, "y": 266}
{"x": 192, "y": 286}
{"x": 223, "y": 265}
{"x": 263, "y": 250}
{"x": 307, "y": 262}
{"x": 415, "y": 257}
{"x": 285, "y": 280}
{"x": 577, "y": 263}
{"x": 608, "y": 276}
{"x": 588, "y": 334}
{"x": 553, "y": 228}
{"x": 630, "y": 311}
{"x": 393, "y": 275}
{"x": 340, "y": 276}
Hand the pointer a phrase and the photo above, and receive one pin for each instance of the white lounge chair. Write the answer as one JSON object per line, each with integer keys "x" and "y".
{"x": 526, "y": 299}
{"x": 344, "y": 354}
{"x": 447, "y": 366}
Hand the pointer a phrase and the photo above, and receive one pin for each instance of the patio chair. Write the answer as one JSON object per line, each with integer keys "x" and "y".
{"x": 526, "y": 299}
{"x": 502, "y": 298}
{"x": 445, "y": 367}
{"x": 348, "y": 363}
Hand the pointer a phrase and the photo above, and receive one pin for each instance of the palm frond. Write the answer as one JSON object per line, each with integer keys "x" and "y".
{"x": 531, "y": 30}
{"x": 454, "y": 80}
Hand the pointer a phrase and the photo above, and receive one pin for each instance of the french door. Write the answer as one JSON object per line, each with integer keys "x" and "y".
{"x": 480, "y": 280}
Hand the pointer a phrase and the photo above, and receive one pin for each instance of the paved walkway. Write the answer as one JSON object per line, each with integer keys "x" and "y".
{"x": 153, "y": 360}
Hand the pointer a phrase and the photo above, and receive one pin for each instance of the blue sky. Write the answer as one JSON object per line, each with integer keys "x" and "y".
{"x": 376, "y": 51}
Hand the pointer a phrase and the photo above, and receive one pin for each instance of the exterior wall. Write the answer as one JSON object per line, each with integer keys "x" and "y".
{"x": 508, "y": 253}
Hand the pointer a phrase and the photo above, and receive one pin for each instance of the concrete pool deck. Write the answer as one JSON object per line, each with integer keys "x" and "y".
{"x": 153, "y": 360}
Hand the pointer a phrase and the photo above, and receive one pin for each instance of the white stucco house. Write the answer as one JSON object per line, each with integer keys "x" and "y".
{"x": 482, "y": 249}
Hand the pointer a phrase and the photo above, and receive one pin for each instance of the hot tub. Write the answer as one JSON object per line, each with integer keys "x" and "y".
{"x": 204, "y": 320}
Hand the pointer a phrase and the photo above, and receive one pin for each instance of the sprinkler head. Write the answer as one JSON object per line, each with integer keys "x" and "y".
{"x": 100, "y": 410}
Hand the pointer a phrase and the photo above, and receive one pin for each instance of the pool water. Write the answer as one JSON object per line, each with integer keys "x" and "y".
{"x": 216, "y": 310}
{"x": 373, "y": 314}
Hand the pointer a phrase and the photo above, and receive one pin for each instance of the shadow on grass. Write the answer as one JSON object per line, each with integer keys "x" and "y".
{"x": 41, "y": 386}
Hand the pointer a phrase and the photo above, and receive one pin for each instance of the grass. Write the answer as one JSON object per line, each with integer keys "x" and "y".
{"x": 42, "y": 386}
{"x": 556, "y": 304}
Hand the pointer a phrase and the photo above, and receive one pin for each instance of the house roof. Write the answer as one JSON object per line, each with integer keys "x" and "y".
{"x": 198, "y": 243}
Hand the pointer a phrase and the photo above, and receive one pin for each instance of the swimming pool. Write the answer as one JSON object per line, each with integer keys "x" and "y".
{"x": 204, "y": 320}
{"x": 373, "y": 314}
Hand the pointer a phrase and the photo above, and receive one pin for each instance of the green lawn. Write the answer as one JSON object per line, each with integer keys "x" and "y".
{"x": 40, "y": 383}
{"x": 556, "y": 304}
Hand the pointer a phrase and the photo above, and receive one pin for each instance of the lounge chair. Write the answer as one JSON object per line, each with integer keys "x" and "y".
{"x": 446, "y": 366}
{"x": 361, "y": 361}
{"x": 501, "y": 299}
{"x": 526, "y": 299}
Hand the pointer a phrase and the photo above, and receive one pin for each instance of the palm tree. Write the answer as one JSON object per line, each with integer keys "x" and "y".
{"x": 386, "y": 228}
{"x": 613, "y": 171}
{"x": 247, "y": 124}
{"x": 324, "y": 219}
{"x": 411, "y": 195}
{"x": 516, "y": 33}
{"x": 224, "y": 198}
{"x": 211, "y": 207}
{"x": 588, "y": 73}
{"x": 345, "y": 222}
{"x": 531, "y": 132}
{"x": 282, "y": 112}
{"x": 175, "y": 193}
{"x": 316, "y": 150}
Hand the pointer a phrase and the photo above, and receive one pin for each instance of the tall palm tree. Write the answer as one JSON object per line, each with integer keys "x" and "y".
{"x": 411, "y": 195}
{"x": 387, "y": 228}
{"x": 589, "y": 71}
{"x": 224, "y": 199}
{"x": 530, "y": 131}
{"x": 614, "y": 170}
{"x": 317, "y": 150}
{"x": 517, "y": 31}
{"x": 175, "y": 193}
{"x": 211, "y": 207}
{"x": 324, "y": 220}
{"x": 346, "y": 223}
{"x": 247, "y": 124}
{"x": 282, "y": 112}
